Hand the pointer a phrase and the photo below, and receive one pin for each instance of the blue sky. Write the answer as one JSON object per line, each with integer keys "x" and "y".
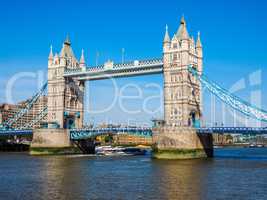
{"x": 233, "y": 35}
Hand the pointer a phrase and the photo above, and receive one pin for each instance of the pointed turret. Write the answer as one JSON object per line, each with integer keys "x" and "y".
{"x": 182, "y": 31}
{"x": 199, "y": 52}
{"x": 198, "y": 45}
{"x": 66, "y": 54}
{"x": 56, "y": 59}
{"x": 51, "y": 53}
{"x": 82, "y": 60}
{"x": 50, "y": 57}
{"x": 166, "y": 41}
{"x": 166, "y": 37}
{"x": 67, "y": 40}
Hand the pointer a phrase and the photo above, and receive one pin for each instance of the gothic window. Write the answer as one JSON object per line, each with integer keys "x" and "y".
{"x": 175, "y": 57}
{"x": 179, "y": 78}
{"x": 175, "y": 111}
{"x": 175, "y": 45}
{"x": 193, "y": 92}
{"x": 175, "y": 78}
{"x": 179, "y": 94}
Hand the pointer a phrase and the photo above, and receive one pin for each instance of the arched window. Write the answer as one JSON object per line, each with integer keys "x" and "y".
{"x": 175, "y": 111}
{"x": 193, "y": 92}
{"x": 174, "y": 57}
{"x": 179, "y": 78}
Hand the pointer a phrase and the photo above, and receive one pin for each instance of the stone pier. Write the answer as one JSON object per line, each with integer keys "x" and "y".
{"x": 181, "y": 143}
{"x": 52, "y": 141}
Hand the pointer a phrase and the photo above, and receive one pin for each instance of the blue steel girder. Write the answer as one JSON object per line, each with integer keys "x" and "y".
{"x": 233, "y": 130}
{"x": 28, "y": 106}
{"x": 77, "y": 134}
{"x": 15, "y": 132}
{"x": 37, "y": 119}
{"x": 233, "y": 101}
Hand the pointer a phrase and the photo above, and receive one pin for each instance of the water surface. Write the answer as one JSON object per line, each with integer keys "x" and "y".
{"x": 232, "y": 174}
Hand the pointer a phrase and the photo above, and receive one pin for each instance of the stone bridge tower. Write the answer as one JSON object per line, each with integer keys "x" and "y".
{"x": 177, "y": 137}
{"x": 65, "y": 95}
{"x": 182, "y": 92}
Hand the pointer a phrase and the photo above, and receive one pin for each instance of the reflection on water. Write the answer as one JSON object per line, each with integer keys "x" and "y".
{"x": 232, "y": 174}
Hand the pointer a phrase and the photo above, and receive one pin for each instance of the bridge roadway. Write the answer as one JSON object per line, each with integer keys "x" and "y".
{"x": 77, "y": 134}
{"x": 233, "y": 130}
{"x": 13, "y": 132}
{"x": 109, "y": 70}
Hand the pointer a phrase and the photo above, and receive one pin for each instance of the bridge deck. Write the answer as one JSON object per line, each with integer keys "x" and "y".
{"x": 144, "y": 132}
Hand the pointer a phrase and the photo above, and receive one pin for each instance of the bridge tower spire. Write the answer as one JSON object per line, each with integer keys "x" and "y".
{"x": 199, "y": 52}
{"x": 50, "y": 57}
{"x": 166, "y": 37}
{"x": 82, "y": 60}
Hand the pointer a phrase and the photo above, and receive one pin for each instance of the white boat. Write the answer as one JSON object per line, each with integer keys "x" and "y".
{"x": 109, "y": 150}
{"x": 117, "y": 151}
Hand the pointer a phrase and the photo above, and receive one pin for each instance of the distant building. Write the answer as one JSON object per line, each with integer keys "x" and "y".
{"x": 8, "y": 111}
{"x": 124, "y": 139}
{"x": 222, "y": 139}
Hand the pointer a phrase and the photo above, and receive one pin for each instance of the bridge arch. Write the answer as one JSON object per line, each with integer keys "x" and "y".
{"x": 194, "y": 118}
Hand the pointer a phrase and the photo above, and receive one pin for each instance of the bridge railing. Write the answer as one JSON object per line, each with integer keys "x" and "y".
{"x": 127, "y": 65}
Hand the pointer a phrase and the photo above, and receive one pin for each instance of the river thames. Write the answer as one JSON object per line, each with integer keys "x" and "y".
{"x": 231, "y": 174}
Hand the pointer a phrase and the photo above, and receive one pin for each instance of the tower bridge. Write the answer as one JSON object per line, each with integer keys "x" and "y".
{"x": 179, "y": 131}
